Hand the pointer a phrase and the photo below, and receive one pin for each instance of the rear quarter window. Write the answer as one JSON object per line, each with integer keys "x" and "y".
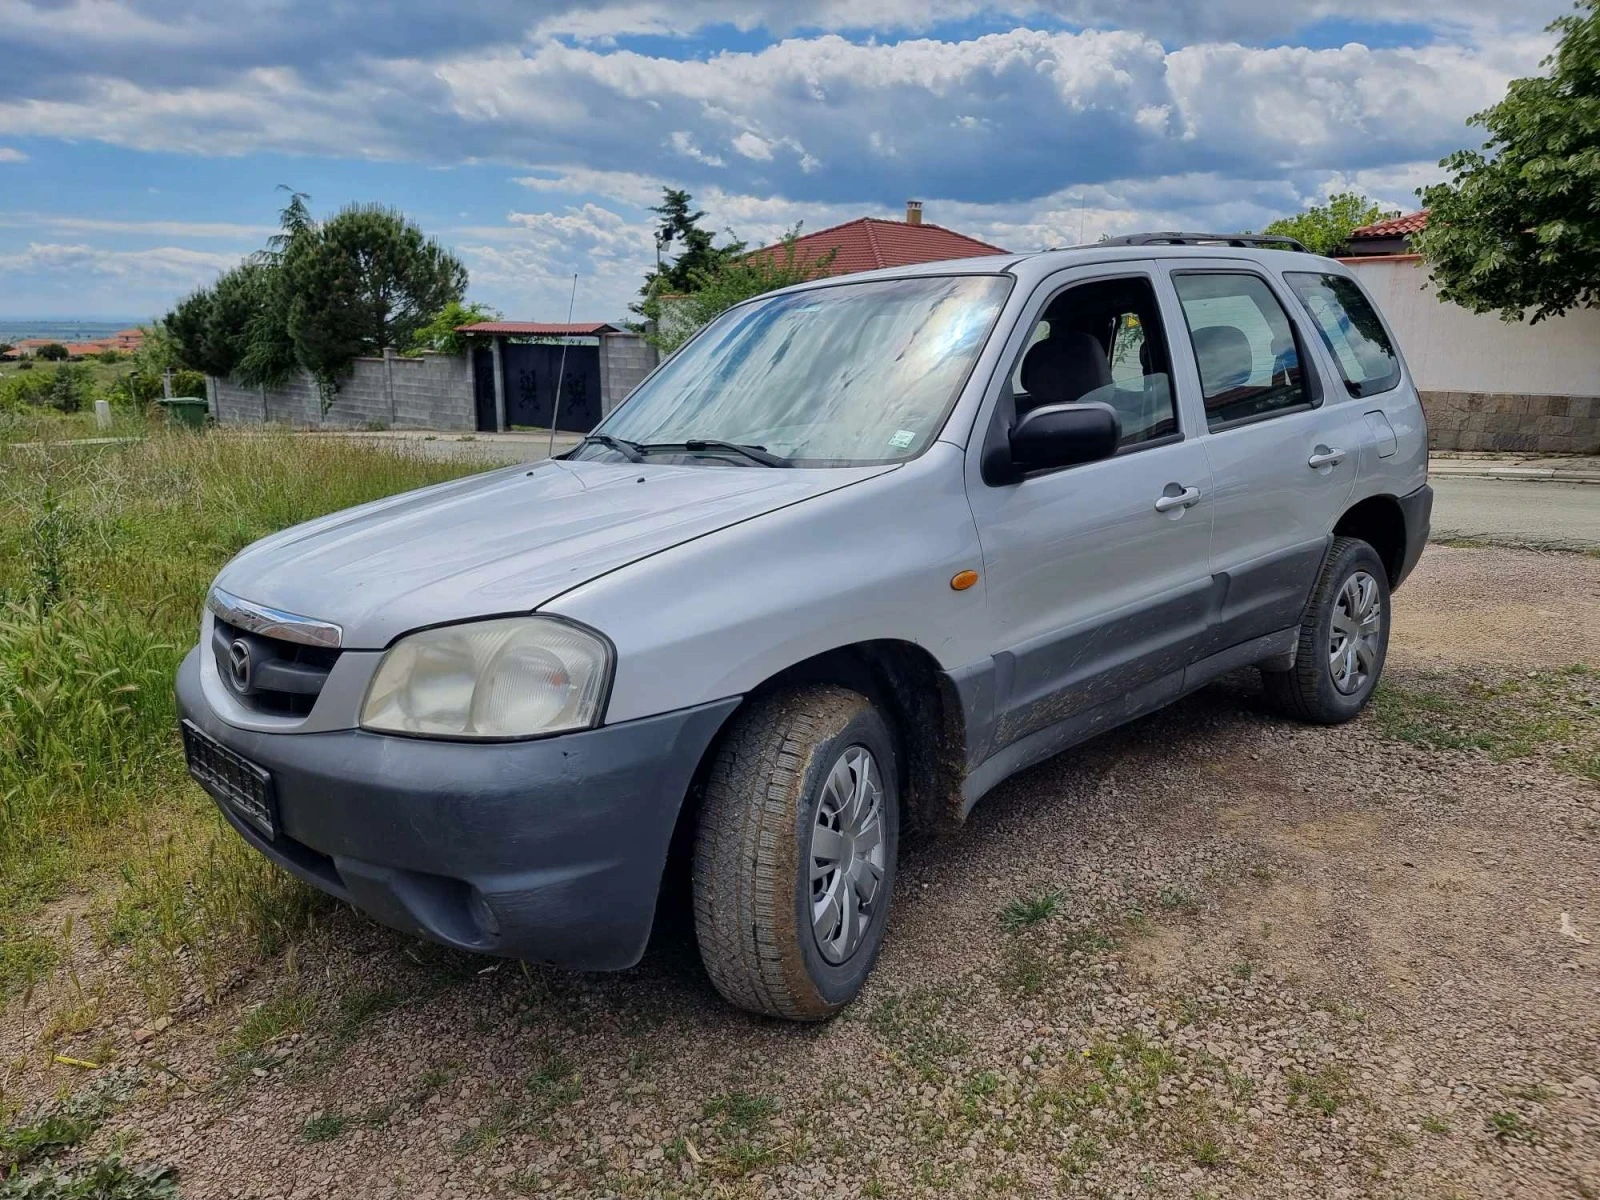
{"x": 1350, "y": 329}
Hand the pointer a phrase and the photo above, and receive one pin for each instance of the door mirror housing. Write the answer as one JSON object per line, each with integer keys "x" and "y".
{"x": 1060, "y": 435}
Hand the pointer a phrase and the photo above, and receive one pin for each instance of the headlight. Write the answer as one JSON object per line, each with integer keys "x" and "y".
{"x": 511, "y": 678}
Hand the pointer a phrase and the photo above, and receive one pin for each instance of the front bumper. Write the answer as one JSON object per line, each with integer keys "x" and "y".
{"x": 548, "y": 850}
{"x": 1417, "y": 509}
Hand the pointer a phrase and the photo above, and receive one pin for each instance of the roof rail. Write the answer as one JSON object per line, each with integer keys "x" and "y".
{"x": 1261, "y": 241}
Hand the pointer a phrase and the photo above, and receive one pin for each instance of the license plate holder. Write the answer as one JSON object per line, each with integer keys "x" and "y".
{"x": 233, "y": 780}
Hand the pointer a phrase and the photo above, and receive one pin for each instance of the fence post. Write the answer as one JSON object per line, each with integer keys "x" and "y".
{"x": 388, "y": 381}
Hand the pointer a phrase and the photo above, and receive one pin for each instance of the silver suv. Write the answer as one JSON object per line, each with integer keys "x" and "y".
{"x": 855, "y": 554}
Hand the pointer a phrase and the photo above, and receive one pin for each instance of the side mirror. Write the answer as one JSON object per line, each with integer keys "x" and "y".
{"x": 1061, "y": 435}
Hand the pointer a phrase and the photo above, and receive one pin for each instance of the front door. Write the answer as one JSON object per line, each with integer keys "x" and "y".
{"x": 1097, "y": 575}
{"x": 1283, "y": 446}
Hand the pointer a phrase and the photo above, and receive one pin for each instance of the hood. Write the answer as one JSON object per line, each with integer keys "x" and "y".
{"x": 502, "y": 542}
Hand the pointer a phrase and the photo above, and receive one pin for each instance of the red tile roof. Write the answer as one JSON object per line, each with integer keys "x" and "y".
{"x": 539, "y": 328}
{"x": 868, "y": 243}
{"x": 1394, "y": 227}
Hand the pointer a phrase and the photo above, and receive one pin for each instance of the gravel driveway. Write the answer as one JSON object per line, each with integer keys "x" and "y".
{"x": 1211, "y": 954}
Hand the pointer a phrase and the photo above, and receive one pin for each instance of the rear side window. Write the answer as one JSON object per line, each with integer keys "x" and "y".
{"x": 1244, "y": 347}
{"x": 1350, "y": 330}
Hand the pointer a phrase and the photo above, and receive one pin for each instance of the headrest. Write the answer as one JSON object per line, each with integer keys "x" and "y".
{"x": 1064, "y": 368}
{"x": 1226, "y": 360}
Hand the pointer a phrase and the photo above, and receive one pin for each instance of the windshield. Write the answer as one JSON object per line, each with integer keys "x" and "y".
{"x": 836, "y": 376}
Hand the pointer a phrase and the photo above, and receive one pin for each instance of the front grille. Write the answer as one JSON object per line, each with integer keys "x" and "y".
{"x": 279, "y": 677}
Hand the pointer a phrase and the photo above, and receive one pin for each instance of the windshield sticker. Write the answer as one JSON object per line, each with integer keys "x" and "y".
{"x": 902, "y": 438}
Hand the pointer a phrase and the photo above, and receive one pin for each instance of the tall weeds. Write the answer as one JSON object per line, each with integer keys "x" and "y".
{"x": 105, "y": 555}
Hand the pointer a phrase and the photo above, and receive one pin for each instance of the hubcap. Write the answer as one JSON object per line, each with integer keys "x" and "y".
{"x": 847, "y": 855}
{"x": 1357, "y": 625}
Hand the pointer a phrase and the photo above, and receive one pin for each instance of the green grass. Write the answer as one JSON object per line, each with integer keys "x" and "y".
{"x": 1325, "y": 1090}
{"x": 289, "y": 1011}
{"x": 103, "y": 1179}
{"x": 1030, "y": 910}
{"x": 105, "y": 556}
{"x": 1509, "y": 1126}
{"x": 556, "y": 1083}
{"x": 32, "y": 1149}
{"x": 741, "y": 1111}
{"x": 1551, "y": 714}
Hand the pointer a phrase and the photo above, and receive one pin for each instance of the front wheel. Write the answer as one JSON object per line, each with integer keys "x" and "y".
{"x": 794, "y": 859}
{"x": 1344, "y": 638}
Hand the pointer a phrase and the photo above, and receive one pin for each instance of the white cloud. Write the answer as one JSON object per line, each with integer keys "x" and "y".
{"x": 995, "y": 118}
{"x": 175, "y": 263}
{"x": 182, "y": 229}
{"x": 9, "y": 154}
{"x": 753, "y": 146}
{"x": 684, "y": 144}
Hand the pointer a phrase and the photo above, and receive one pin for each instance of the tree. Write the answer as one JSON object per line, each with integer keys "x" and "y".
{"x": 316, "y": 296}
{"x": 269, "y": 354}
{"x": 1323, "y": 228}
{"x": 1517, "y": 226}
{"x": 212, "y": 327}
{"x": 697, "y": 255}
{"x": 714, "y": 289}
{"x": 439, "y": 334}
{"x": 51, "y": 352}
{"x": 367, "y": 278}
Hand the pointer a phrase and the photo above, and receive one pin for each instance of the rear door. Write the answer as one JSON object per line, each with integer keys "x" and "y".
{"x": 1283, "y": 459}
{"x": 1097, "y": 575}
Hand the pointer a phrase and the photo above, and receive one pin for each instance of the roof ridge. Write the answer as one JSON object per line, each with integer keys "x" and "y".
{"x": 872, "y": 240}
{"x": 819, "y": 232}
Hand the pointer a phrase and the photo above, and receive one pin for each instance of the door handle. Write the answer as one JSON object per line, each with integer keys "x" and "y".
{"x": 1325, "y": 458}
{"x": 1187, "y": 498}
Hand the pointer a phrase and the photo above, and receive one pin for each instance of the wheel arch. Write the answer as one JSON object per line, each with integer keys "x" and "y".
{"x": 1381, "y": 523}
{"x": 917, "y": 699}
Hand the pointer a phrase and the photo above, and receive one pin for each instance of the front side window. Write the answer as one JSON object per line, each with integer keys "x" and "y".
{"x": 1244, "y": 347}
{"x": 1350, "y": 330}
{"x": 1102, "y": 342}
{"x": 845, "y": 375}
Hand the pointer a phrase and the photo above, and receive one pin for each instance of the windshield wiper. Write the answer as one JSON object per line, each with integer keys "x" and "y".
{"x": 758, "y": 454}
{"x": 631, "y": 451}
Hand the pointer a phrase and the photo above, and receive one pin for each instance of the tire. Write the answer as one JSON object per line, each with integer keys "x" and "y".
{"x": 1315, "y": 688}
{"x": 752, "y": 877}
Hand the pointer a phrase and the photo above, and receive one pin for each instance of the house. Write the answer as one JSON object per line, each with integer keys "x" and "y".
{"x": 1486, "y": 384}
{"x": 1392, "y": 236}
{"x": 868, "y": 243}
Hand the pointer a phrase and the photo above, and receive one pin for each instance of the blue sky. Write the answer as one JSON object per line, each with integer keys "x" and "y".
{"x": 142, "y": 141}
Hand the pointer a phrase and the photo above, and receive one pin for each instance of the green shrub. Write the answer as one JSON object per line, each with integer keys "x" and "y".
{"x": 71, "y": 388}
{"x": 51, "y": 352}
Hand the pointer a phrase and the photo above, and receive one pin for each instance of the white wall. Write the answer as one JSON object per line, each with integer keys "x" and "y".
{"x": 1450, "y": 349}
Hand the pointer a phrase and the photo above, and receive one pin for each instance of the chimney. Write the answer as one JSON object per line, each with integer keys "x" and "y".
{"x": 913, "y": 212}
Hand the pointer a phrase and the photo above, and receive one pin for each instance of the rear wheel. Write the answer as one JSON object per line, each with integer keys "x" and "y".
{"x": 1344, "y": 639}
{"x": 794, "y": 858}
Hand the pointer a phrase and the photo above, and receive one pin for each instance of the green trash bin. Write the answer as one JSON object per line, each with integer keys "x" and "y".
{"x": 188, "y": 411}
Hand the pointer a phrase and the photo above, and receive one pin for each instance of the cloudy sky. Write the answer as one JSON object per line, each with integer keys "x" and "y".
{"x": 141, "y": 141}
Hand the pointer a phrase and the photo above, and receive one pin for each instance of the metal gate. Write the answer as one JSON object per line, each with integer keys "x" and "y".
{"x": 530, "y": 385}
{"x": 531, "y": 373}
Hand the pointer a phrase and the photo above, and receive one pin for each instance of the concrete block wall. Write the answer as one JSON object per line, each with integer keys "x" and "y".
{"x": 1513, "y": 423}
{"x": 430, "y": 392}
{"x": 433, "y": 392}
{"x": 625, "y": 359}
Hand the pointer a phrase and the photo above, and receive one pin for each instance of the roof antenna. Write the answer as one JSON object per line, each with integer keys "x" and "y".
{"x": 561, "y": 372}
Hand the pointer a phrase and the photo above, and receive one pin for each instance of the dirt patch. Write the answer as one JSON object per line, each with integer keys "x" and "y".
{"x": 1479, "y": 606}
{"x": 1212, "y": 954}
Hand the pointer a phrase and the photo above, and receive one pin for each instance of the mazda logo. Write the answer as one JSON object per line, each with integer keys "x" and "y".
{"x": 239, "y": 665}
